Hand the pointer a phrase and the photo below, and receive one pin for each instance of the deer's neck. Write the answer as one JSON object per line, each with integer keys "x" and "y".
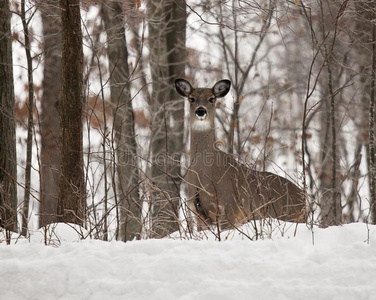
{"x": 202, "y": 146}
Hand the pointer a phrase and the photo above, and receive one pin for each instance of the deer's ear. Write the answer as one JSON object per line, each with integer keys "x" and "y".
{"x": 221, "y": 88}
{"x": 183, "y": 87}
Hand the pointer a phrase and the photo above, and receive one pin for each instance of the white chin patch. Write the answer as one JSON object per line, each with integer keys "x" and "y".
{"x": 201, "y": 125}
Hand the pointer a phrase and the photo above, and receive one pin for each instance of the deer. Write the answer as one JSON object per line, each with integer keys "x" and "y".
{"x": 221, "y": 190}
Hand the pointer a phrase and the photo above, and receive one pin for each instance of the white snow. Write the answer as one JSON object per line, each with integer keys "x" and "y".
{"x": 332, "y": 263}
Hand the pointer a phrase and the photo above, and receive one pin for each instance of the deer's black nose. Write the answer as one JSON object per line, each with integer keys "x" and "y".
{"x": 201, "y": 112}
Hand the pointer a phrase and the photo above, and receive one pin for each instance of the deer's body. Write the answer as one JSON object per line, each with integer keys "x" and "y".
{"x": 221, "y": 190}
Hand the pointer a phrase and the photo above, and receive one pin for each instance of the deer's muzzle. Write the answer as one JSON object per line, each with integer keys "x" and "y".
{"x": 201, "y": 113}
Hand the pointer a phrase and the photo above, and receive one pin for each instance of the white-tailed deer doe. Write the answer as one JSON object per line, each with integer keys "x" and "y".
{"x": 222, "y": 191}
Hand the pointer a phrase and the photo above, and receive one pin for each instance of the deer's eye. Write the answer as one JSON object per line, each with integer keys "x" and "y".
{"x": 211, "y": 99}
{"x": 191, "y": 99}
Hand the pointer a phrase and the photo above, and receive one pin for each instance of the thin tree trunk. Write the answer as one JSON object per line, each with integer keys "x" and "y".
{"x": 8, "y": 163}
{"x": 372, "y": 162}
{"x": 30, "y": 122}
{"x": 49, "y": 118}
{"x": 72, "y": 191}
{"x": 127, "y": 162}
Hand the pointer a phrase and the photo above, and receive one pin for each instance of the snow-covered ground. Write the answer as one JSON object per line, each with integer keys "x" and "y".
{"x": 333, "y": 263}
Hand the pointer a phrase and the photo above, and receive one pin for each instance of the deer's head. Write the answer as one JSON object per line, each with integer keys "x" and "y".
{"x": 202, "y": 102}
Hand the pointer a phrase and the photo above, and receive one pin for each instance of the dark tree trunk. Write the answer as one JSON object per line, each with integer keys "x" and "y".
{"x": 372, "y": 151}
{"x": 72, "y": 192}
{"x": 176, "y": 37}
{"x": 49, "y": 118}
{"x": 167, "y": 20}
{"x": 8, "y": 163}
{"x": 126, "y": 147}
{"x": 330, "y": 202}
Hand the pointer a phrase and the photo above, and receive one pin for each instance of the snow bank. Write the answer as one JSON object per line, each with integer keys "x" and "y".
{"x": 341, "y": 264}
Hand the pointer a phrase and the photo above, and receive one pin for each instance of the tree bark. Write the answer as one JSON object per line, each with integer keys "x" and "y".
{"x": 126, "y": 147}
{"x": 177, "y": 56}
{"x": 372, "y": 162}
{"x": 72, "y": 191}
{"x": 30, "y": 122}
{"x": 167, "y": 20}
{"x": 8, "y": 162}
{"x": 330, "y": 202}
{"x": 49, "y": 118}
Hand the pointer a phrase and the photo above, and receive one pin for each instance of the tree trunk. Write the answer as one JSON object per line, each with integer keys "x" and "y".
{"x": 177, "y": 56}
{"x": 72, "y": 192}
{"x": 330, "y": 202}
{"x": 8, "y": 163}
{"x": 176, "y": 37}
{"x": 365, "y": 35}
{"x": 126, "y": 147}
{"x": 30, "y": 122}
{"x": 372, "y": 158}
{"x": 49, "y": 118}
{"x": 167, "y": 20}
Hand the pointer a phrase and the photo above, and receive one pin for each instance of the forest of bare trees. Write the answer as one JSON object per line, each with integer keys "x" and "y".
{"x": 93, "y": 133}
